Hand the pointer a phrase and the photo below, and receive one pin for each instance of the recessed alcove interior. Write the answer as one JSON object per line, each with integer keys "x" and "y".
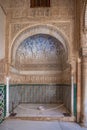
{"x": 41, "y": 54}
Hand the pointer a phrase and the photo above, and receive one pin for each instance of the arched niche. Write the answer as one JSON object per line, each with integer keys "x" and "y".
{"x": 29, "y": 36}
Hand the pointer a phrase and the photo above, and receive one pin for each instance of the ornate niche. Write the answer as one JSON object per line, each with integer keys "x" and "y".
{"x": 40, "y": 57}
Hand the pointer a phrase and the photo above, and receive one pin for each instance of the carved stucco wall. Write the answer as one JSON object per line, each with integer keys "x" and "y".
{"x": 20, "y": 17}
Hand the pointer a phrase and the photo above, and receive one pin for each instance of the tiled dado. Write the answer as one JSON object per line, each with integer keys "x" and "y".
{"x": 2, "y": 102}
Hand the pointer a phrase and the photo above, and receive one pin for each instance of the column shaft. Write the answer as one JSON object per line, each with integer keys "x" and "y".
{"x": 84, "y": 91}
{"x": 78, "y": 90}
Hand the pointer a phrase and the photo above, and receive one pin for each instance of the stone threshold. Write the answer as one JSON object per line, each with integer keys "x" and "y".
{"x": 65, "y": 119}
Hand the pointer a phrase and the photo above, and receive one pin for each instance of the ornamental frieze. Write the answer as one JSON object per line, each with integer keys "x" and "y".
{"x": 65, "y": 27}
{"x": 60, "y": 77}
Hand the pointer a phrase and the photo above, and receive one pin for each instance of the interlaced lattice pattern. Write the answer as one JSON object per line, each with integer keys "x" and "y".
{"x": 2, "y": 102}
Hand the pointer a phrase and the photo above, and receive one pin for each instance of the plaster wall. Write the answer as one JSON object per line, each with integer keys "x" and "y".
{"x": 2, "y": 44}
{"x": 2, "y": 33}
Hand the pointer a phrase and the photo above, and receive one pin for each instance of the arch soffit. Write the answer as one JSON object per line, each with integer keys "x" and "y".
{"x": 38, "y": 29}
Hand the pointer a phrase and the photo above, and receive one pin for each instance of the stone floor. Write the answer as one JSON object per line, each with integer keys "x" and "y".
{"x": 40, "y": 110}
{"x": 38, "y": 125}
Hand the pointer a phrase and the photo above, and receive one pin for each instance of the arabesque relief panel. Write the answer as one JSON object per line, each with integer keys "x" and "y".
{"x": 65, "y": 27}
{"x": 36, "y": 79}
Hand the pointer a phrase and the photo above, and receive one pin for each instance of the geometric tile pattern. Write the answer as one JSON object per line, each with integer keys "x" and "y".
{"x": 2, "y": 102}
